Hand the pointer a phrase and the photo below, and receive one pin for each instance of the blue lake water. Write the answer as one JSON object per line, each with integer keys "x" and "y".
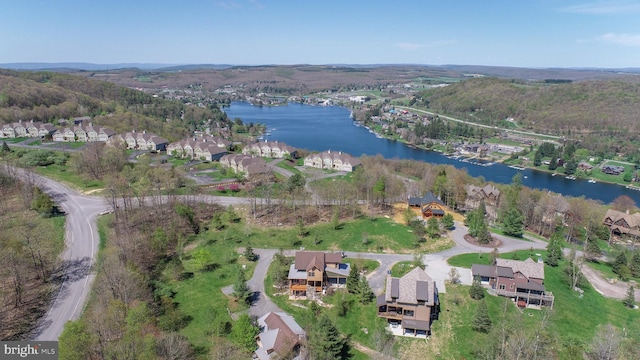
{"x": 321, "y": 128}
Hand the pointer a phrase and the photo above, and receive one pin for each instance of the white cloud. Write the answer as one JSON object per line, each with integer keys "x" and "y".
{"x": 228, "y": 4}
{"x": 607, "y": 7}
{"x": 621, "y": 39}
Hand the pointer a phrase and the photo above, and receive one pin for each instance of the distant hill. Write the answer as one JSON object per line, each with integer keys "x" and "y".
{"x": 71, "y": 66}
{"x": 601, "y": 114}
{"x": 49, "y": 96}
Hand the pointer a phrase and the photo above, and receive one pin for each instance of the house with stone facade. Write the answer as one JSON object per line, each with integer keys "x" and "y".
{"x": 488, "y": 193}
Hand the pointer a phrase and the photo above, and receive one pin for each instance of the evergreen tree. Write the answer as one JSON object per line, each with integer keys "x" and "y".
{"x": 5, "y": 148}
{"x": 554, "y": 248}
{"x": 353, "y": 279}
{"x": 634, "y": 267}
{"x": 325, "y": 341}
{"x": 249, "y": 254}
{"x": 537, "y": 159}
{"x": 241, "y": 290}
{"x": 476, "y": 291}
{"x": 481, "y": 321}
{"x": 447, "y": 221}
{"x": 244, "y": 333}
{"x": 592, "y": 250}
{"x": 484, "y": 236}
{"x": 513, "y": 223}
{"x": 364, "y": 292}
{"x": 433, "y": 228}
{"x": 630, "y": 300}
{"x": 619, "y": 262}
{"x": 43, "y": 204}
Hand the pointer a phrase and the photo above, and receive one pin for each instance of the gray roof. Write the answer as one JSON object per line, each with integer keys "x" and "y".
{"x": 483, "y": 270}
{"x": 415, "y": 324}
{"x": 415, "y": 285}
{"x": 528, "y": 268}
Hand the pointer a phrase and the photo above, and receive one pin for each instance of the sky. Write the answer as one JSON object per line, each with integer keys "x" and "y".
{"x": 517, "y": 33}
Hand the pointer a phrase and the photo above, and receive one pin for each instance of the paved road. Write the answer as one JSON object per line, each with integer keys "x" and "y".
{"x": 81, "y": 240}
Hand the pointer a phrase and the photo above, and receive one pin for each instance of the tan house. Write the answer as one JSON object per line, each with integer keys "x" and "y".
{"x": 488, "y": 193}
{"x": 523, "y": 281}
{"x": 209, "y": 147}
{"x": 280, "y": 337}
{"x": 315, "y": 271}
{"x": 248, "y": 165}
{"x": 14, "y": 130}
{"x": 140, "y": 141}
{"x": 410, "y": 302}
{"x": 338, "y": 161}
{"x": 622, "y": 223}
{"x": 83, "y": 132}
{"x": 271, "y": 149}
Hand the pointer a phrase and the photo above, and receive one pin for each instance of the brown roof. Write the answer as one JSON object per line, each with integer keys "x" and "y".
{"x": 632, "y": 219}
{"x": 306, "y": 260}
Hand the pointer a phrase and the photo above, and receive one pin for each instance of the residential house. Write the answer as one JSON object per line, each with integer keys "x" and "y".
{"x": 585, "y": 166}
{"x": 198, "y": 146}
{"x": 315, "y": 271}
{"x": 557, "y": 207}
{"x": 488, "y": 193}
{"x": 14, "y": 130}
{"x": 410, "y": 302}
{"x": 249, "y": 165}
{"x": 280, "y": 337}
{"x": 139, "y": 141}
{"x": 332, "y": 161}
{"x": 83, "y": 132}
{"x": 271, "y": 149}
{"x": 64, "y": 135}
{"x": 622, "y": 223}
{"x": 429, "y": 205}
{"x": 612, "y": 169}
{"x": 523, "y": 281}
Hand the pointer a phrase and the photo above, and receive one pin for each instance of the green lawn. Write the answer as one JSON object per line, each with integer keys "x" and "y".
{"x": 60, "y": 173}
{"x": 382, "y": 234}
{"x": 572, "y": 315}
{"x": 287, "y": 166}
{"x": 399, "y": 269}
{"x": 199, "y": 295}
{"x": 14, "y": 140}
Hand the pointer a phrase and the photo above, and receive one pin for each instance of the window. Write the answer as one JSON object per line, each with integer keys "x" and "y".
{"x": 408, "y": 313}
{"x": 312, "y": 273}
{"x": 510, "y": 286}
{"x": 502, "y": 286}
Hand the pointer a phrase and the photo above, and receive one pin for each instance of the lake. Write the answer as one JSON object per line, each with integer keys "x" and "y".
{"x": 321, "y": 128}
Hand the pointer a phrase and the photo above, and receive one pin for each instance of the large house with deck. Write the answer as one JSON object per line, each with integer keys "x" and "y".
{"x": 523, "y": 281}
{"x": 622, "y": 223}
{"x": 139, "y": 141}
{"x": 410, "y": 302}
{"x": 26, "y": 129}
{"x": 248, "y": 165}
{"x": 488, "y": 193}
{"x": 315, "y": 271}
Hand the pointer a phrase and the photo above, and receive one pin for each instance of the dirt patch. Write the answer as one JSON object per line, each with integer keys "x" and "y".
{"x": 495, "y": 243}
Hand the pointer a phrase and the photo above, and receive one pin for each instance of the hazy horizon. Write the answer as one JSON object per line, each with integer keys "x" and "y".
{"x": 535, "y": 34}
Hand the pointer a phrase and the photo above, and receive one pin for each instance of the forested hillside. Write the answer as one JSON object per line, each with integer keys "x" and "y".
{"x": 598, "y": 113}
{"x": 48, "y": 96}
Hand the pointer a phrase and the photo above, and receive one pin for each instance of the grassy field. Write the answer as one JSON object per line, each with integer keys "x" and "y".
{"x": 368, "y": 234}
{"x": 60, "y": 173}
{"x": 572, "y": 315}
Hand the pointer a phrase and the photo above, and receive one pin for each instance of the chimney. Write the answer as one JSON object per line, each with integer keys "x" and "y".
{"x": 144, "y": 131}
